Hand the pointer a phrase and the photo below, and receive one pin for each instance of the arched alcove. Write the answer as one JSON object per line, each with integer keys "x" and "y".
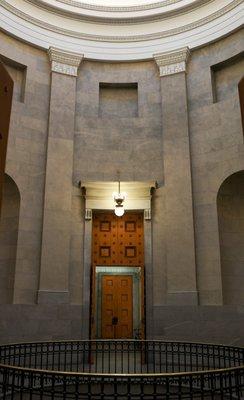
{"x": 9, "y": 224}
{"x": 230, "y": 202}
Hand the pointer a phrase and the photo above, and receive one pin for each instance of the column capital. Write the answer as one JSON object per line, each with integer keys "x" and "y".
{"x": 172, "y": 62}
{"x": 64, "y": 62}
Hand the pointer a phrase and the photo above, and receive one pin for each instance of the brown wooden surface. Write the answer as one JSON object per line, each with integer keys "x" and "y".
{"x": 118, "y": 240}
{"x": 6, "y": 93}
{"x": 117, "y": 303}
{"x": 241, "y": 95}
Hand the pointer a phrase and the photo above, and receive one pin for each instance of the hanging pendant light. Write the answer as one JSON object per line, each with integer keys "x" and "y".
{"x": 119, "y": 199}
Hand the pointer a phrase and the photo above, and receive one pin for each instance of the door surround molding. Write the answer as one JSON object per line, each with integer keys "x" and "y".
{"x": 98, "y": 196}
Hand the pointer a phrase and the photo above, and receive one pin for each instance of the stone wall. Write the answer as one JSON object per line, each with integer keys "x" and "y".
{"x": 26, "y": 159}
{"x": 210, "y": 324}
{"x": 104, "y": 142}
{"x": 182, "y": 130}
{"x": 217, "y": 151}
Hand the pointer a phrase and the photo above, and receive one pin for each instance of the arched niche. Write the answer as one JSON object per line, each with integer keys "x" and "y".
{"x": 230, "y": 203}
{"x": 9, "y": 223}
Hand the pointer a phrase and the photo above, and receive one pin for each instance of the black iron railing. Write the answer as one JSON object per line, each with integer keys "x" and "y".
{"x": 121, "y": 369}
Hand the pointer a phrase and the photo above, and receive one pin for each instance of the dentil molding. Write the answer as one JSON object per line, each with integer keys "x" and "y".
{"x": 172, "y": 62}
{"x": 64, "y": 62}
{"x": 123, "y": 42}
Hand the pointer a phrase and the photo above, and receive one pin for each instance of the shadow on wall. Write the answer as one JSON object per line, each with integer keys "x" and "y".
{"x": 241, "y": 96}
{"x": 9, "y": 224}
{"x": 230, "y": 203}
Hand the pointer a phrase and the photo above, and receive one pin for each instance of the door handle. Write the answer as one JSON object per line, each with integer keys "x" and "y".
{"x": 115, "y": 320}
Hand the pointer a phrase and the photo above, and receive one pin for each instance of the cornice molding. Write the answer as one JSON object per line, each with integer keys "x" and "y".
{"x": 172, "y": 62}
{"x": 106, "y": 19}
{"x": 99, "y": 195}
{"x": 128, "y": 38}
{"x": 97, "y": 7}
{"x": 122, "y": 39}
{"x": 64, "y": 62}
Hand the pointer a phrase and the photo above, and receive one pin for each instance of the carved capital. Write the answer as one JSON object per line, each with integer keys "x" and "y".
{"x": 172, "y": 62}
{"x": 64, "y": 62}
{"x": 88, "y": 214}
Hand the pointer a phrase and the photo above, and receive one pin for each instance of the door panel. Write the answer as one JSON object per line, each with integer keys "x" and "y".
{"x": 118, "y": 240}
{"x": 117, "y": 307}
{"x": 125, "y": 307}
{"x": 109, "y": 306}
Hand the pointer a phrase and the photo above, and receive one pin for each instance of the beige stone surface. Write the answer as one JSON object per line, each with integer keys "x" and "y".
{"x": 26, "y": 160}
{"x": 174, "y": 131}
{"x": 217, "y": 151}
{"x": 180, "y": 256}
{"x": 55, "y": 257}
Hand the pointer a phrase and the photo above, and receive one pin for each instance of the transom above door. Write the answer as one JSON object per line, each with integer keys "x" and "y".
{"x": 118, "y": 240}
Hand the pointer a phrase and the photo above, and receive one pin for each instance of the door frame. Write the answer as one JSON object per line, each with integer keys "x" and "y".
{"x": 88, "y": 276}
{"x": 137, "y": 273}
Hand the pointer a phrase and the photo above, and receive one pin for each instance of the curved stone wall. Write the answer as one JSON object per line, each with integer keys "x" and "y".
{"x": 176, "y": 120}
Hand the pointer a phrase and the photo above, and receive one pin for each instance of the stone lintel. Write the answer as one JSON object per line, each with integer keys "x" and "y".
{"x": 172, "y": 62}
{"x": 64, "y": 62}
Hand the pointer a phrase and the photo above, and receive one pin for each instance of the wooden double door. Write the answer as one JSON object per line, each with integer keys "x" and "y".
{"x": 116, "y": 242}
{"x": 117, "y": 307}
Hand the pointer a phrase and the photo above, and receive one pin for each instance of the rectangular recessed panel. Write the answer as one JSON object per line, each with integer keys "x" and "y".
{"x": 130, "y": 251}
{"x": 118, "y": 100}
{"x": 104, "y": 251}
{"x": 109, "y": 283}
{"x": 130, "y": 226}
{"x": 124, "y": 331}
{"x": 105, "y": 226}
{"x": 124, "y": 297}
{"x": 109, "y": 297}
{"x": 124, "y": 282}
{"x": 124, "y": 313}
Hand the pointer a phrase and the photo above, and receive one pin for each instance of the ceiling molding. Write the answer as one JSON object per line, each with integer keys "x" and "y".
{"x": 119, "y": 9}
{"x": 119, "y": 38}
{"x": 120, "y": 18}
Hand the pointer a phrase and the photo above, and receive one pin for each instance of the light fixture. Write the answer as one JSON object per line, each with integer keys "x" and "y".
{"x": 119, "y": 199}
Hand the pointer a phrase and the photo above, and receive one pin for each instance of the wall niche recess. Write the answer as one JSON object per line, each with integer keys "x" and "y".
{"x": 17, "y": 72}
{"x": 226, "y": 76}
{"x": 119, "y": 100}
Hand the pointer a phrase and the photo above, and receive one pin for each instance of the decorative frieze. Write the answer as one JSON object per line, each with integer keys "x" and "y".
{"x": 64, "y": 62}
{"x": 172, "y": 62}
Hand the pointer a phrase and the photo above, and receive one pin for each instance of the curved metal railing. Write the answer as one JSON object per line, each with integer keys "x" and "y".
{"x": 121, "y": 369}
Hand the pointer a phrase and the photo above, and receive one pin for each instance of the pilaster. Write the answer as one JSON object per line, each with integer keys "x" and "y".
{"x": 181, "y": 265}
{"x": 54, "y": 272}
